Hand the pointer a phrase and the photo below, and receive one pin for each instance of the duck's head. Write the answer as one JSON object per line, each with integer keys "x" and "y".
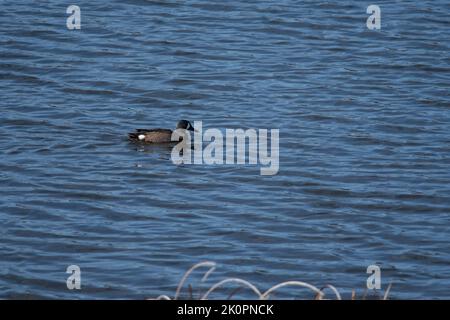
{"x": 184, "y": 124}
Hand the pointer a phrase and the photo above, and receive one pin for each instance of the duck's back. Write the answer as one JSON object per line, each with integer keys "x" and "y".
{"x": 151, "y": 135}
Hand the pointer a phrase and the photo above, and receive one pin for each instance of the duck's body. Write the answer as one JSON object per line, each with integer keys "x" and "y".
{"x": 158, "y": 135}
{"x": 151, "y": 135}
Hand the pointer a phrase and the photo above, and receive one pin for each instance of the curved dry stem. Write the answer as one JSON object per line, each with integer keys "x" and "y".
{"x": 233, "y": 293}
{"x": 293, "y": 283}
{"x": 208, "y": 273}
{"x": 335, "y": 291}
{"x": 237, "y": 280}
{"x": 162, "y": 297}
{"x": 387, "y": 291}
{"x": 211, "y": 265}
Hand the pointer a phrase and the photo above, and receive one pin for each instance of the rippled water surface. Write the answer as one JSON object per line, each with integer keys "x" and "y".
{"x": 364, "y": 145}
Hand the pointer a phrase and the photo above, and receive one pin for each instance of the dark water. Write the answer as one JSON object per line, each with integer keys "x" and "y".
{"x": 364, "y": 145}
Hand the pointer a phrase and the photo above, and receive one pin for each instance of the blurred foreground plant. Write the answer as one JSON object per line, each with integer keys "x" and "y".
{"x": 318, "y": 293}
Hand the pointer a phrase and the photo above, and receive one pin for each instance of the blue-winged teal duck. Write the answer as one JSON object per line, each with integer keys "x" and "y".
{"x": 158, "y": 135}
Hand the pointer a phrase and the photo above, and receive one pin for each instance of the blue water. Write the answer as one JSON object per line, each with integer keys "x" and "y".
{"x": 364, "y": 146}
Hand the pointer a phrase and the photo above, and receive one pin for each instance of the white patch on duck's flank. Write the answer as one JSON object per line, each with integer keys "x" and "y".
{"x": 141, "y": 136}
